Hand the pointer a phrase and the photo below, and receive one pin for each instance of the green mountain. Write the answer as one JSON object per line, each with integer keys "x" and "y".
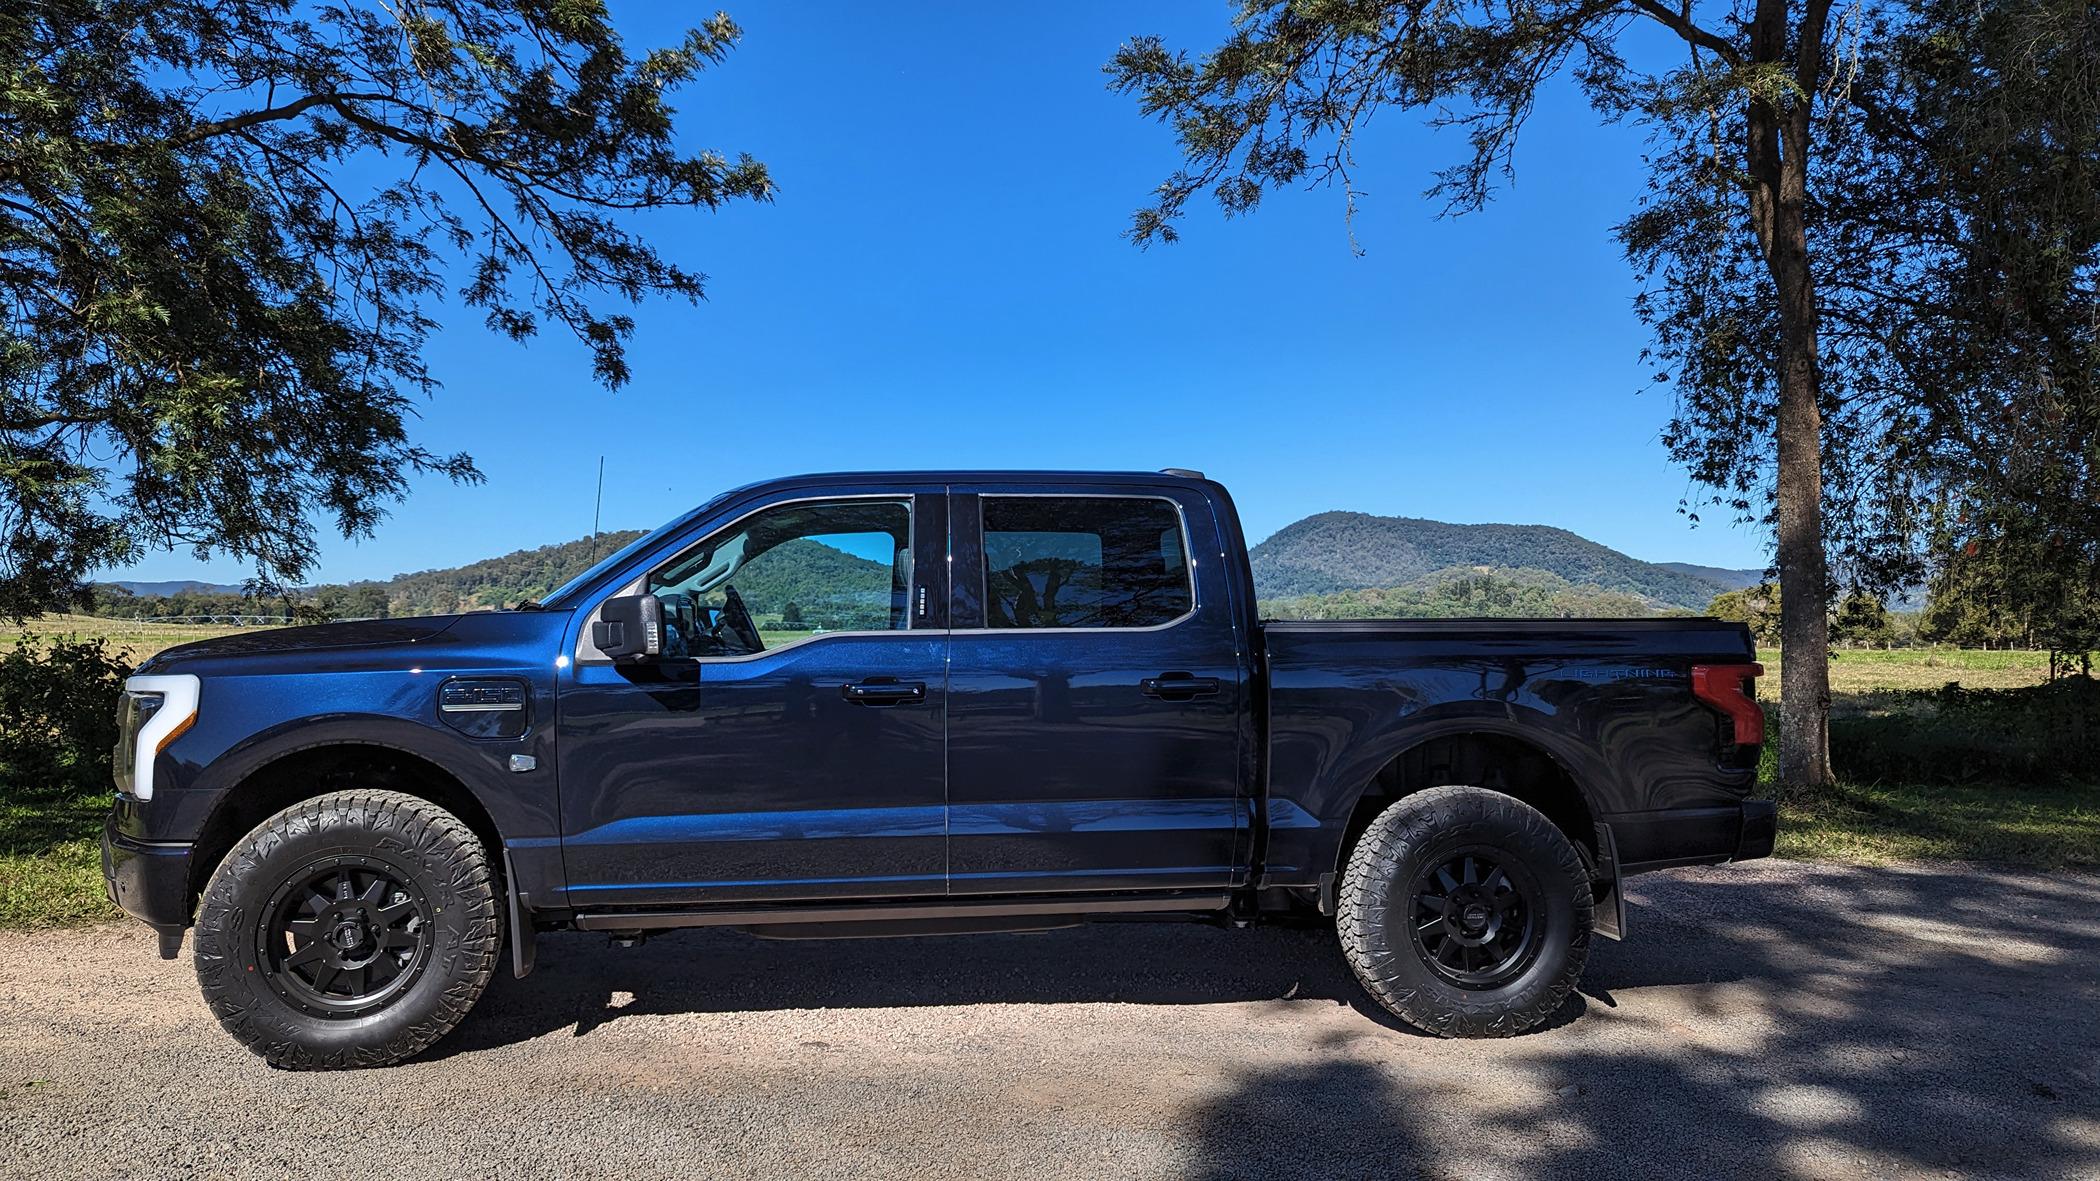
{"x": 498, "y": 582}
{"x": 1340, "y": 551}
{"x": 1720, "y": 576}
{"x": 798, "y": 572}
{"x": 829, "y": 587}
{"x": 1467, "y": 592}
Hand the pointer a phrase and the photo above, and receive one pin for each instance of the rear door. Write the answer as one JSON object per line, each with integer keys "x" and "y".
{"x": 1095, "y": 693}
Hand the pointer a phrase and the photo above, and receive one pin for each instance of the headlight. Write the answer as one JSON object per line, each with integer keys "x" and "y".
{"x": 153, "y": 712}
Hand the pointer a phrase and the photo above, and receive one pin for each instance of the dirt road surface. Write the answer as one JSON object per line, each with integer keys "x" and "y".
{"x": 1767, "y": 1020}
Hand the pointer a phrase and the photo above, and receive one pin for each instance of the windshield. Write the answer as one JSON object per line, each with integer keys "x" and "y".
{"x": 560, "y": 597}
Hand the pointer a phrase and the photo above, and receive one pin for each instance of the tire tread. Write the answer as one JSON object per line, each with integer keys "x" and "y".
{"x": 1409, "y": 823}
{"x": 429, "y": 834}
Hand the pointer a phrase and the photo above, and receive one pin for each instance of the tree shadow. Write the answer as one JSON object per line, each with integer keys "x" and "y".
{"x": 1764, "y": 1020}
{"x": 1828, "y": 1022}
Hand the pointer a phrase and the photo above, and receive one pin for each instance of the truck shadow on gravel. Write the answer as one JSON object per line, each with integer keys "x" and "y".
{"x": 1766, "y": 1020}
{"x": 580, "y": 985}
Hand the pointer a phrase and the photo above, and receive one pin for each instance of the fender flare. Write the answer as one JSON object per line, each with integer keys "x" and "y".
{"x": 1404, "y": 739}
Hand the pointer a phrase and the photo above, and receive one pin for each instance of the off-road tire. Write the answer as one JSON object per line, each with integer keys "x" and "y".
{"x": 442, "y": 860}
{"x": 1376, "y": 904}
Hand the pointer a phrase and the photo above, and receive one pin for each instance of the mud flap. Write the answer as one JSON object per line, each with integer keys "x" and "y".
{"x": 1608, "y": 916}
{"x": 524, "y": 943}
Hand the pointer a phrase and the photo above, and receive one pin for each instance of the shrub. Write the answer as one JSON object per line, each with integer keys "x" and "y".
{"x": 2042, "y": 734}
{"x": 58, "y": 723}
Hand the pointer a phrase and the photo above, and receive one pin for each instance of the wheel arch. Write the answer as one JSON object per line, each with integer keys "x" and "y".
{"x": 303, "y": 773}
{"x": 1512, "y": 764}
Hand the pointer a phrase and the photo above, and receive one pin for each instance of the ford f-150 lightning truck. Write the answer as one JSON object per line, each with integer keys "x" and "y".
{"x": 908, "y": 703}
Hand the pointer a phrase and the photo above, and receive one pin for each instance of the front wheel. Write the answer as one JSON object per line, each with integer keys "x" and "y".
{"x": 352, "y": 929}
{"x": 1465, "y": 913}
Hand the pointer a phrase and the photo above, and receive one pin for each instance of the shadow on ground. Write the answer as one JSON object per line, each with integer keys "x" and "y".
{"x": 1775, "y": 1020}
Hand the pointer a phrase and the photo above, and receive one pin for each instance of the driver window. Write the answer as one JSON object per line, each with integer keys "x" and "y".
{"x": 787, "y": 573}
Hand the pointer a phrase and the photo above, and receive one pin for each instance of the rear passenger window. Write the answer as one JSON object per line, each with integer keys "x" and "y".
{"x": 1084, "y": 561}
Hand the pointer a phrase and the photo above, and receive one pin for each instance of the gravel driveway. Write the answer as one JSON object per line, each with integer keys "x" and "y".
{"x": 1771, "y": 1019}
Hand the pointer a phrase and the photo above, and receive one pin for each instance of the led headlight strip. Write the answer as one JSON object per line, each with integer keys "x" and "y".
{"x": 178, "y": 708}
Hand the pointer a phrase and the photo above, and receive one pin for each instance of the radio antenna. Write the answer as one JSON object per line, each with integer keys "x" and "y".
{"x": 598, "y": 508}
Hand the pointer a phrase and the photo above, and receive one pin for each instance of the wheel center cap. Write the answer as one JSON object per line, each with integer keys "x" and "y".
{"x": 349, "y": 936}
{"x": 1475, "y": 917}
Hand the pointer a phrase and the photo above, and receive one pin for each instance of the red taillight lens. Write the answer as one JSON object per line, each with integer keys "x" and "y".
{"x": 1728, "y": 688}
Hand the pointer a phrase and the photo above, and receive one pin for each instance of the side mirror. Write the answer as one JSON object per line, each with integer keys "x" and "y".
{"x": 630, "y": 628}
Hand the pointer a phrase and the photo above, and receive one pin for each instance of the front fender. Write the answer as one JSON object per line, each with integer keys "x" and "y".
{"x": 245, "y": 724}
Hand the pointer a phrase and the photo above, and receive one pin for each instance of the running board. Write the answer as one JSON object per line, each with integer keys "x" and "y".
{"x": 925, "y": 913}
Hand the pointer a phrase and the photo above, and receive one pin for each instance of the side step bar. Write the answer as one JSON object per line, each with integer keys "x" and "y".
{"x": 922, "y": 912}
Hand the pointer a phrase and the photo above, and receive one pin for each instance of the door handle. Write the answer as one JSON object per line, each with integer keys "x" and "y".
{"x": 1178, "y": 686}
{"x": 880, "y": 691}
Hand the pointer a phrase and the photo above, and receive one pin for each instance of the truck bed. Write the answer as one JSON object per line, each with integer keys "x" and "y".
{"x": 1607, "y": 703}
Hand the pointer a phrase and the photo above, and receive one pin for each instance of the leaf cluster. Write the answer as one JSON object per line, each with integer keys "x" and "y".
{"x": 224, "y": 225}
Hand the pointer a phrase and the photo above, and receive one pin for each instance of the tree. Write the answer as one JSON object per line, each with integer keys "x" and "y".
{"x": 2013, "y": 575}
{"x": 366, "y": 600}
{"x": 222, "y": 225}
{"x": 1862, "y": 618}
{"x": 1834, "y": 196}
{"x": 1755, "y": 607}
{"x": 791, "y": 614}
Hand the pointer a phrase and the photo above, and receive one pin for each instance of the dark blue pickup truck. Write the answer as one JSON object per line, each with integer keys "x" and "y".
{"x": 886, "y": 703}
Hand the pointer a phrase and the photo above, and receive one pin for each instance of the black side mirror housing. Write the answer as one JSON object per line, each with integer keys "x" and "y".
{"x": 630, "y": 628}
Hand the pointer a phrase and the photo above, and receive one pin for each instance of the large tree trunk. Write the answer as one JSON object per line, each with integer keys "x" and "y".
{"x": 1778, "y": 159}
{"x": 1804, "y": 628}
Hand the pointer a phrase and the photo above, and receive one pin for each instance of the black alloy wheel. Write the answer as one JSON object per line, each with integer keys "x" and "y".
{"x": 1465, "y": 912}
{"x": 352, "y": 929}
{"x": 344, "y": 935}
{"x": 1476, "y": 921}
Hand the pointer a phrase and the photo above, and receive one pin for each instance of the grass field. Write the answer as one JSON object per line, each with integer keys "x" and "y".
{"x": 50, "y": 870}
{"x": 1858, "y": 676}
{"x": 2053, "y": 826}
{"x": 136, "y": 640}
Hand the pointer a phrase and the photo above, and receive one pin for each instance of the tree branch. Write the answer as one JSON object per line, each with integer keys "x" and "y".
{"x": 290, "y": 110}
{"x": 1684, "y": 27}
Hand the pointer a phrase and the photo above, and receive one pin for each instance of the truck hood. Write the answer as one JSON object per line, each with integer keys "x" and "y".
{"x": 370, "y": 633}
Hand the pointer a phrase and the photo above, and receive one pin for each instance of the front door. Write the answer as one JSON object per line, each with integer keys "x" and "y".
{"x": 1094, "y": 695}
{"x": 790, "y": 743}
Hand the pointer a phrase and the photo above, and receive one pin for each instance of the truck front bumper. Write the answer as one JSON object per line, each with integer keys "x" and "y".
{"x": 150, "y": 881}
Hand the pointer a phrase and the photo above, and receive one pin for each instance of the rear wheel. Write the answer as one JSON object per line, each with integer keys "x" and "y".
{"x": 353, "y": 929}
{"x": 1465, "y": 913}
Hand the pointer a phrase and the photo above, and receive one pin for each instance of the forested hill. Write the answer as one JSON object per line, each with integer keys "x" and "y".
{"x": 500, "y": 582}
{"x": 1342, "y": 551}
{"x": 1721, "y": 576}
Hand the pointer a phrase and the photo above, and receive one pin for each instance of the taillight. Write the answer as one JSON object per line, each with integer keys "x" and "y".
{"x": 1730, "y": 689}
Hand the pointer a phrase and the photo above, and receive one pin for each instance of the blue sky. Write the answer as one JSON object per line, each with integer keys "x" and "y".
{"x": 942, "y": 284}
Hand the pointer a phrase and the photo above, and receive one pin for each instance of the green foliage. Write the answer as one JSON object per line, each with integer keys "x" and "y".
{"x": 1466, "y": 592}
{"x": 1756, "y": 607}
{"x": 1862, "y": 619}
{"x": 1338, "y": 551}
{"x": 2045, "y": 734}
{"x": 1954, "y": 229}
{"x": 829, "y": 587}
{"x": 224, "y": 224}
{"x": 58, "y": 708}
{"x": 2017, "y": 573}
